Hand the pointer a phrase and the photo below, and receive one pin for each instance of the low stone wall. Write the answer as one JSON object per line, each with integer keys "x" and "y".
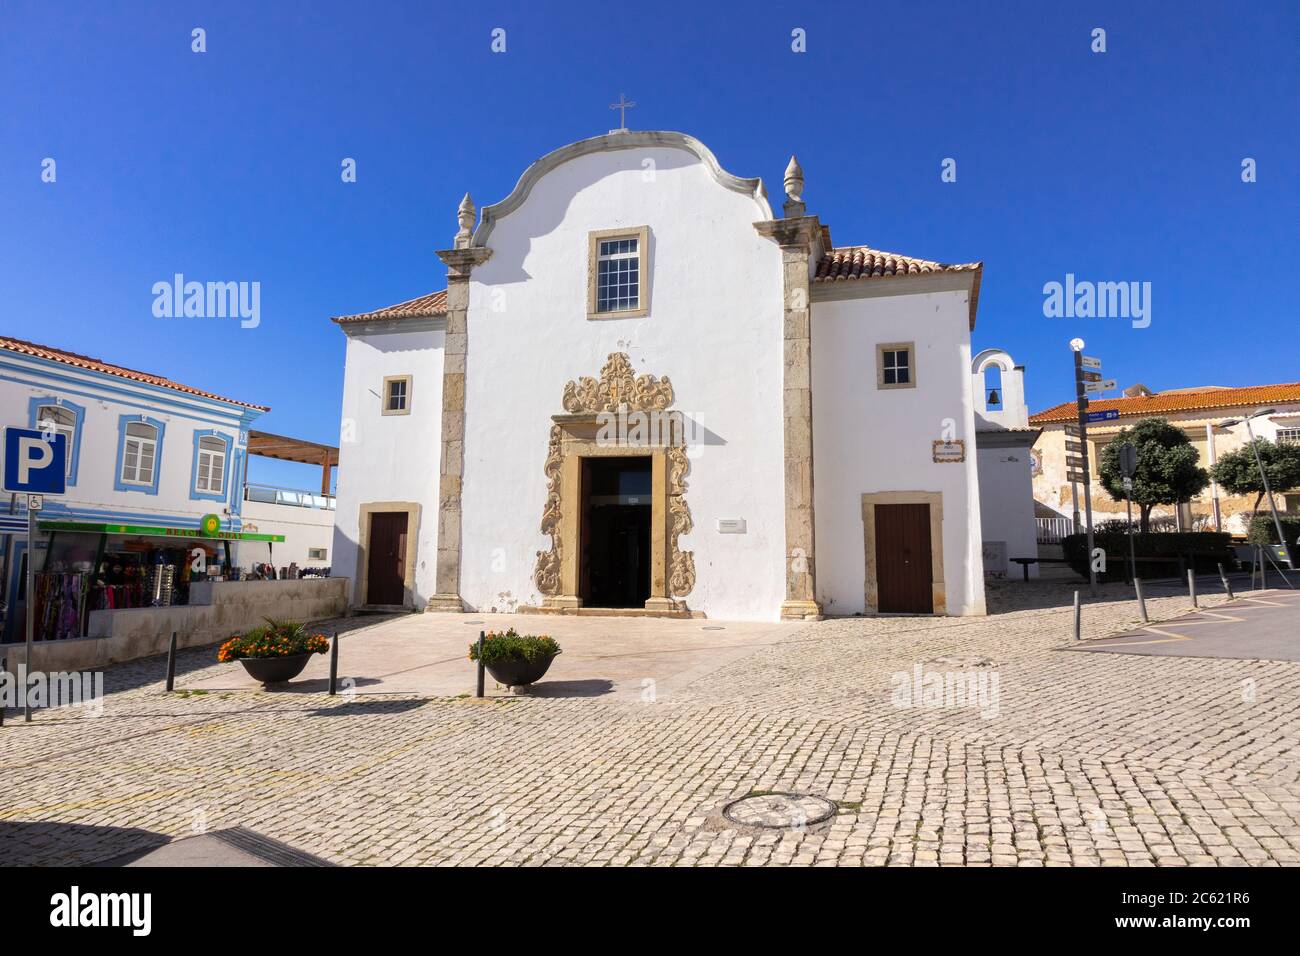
{"x": 217, "y": 610}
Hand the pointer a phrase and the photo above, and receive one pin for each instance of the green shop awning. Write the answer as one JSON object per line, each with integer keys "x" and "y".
{"x": 153, "y": 532}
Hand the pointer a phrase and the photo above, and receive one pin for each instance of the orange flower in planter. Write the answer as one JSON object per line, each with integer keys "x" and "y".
{"x": 273, "y": 639}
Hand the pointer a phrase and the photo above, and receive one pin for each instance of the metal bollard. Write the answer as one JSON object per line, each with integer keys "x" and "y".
{"x": 334, "y": 664}
{"x": 171, "y": 663}
{"x": 1142, "y": 602}
{"x": 1223, "y": 576}
{"x": 479, "y": 691}
{"x": 1191, "y": 586}
{"x": 1078, "y": 615}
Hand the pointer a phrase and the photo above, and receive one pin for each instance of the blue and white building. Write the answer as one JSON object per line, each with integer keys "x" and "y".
{"x": 143, "y": 451}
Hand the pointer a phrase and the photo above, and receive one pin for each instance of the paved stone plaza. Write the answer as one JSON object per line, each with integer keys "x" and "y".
{"x": 1030, "y": 755}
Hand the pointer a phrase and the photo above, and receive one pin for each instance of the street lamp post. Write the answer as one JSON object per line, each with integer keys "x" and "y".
{"x": 1128, "y": 468}
{"x": 1263, "y": 477}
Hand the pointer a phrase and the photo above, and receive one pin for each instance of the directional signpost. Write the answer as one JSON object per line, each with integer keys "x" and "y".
{"x": 1076, "y": 465}
{"x": 1073, "y": 444}
{"x": 35, "y": 466}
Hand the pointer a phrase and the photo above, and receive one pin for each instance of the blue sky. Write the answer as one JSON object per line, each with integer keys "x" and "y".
{"x": 1122, "y": 166}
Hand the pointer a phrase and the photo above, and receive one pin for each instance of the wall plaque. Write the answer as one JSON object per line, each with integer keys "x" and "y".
{"x": 949, "y": 451}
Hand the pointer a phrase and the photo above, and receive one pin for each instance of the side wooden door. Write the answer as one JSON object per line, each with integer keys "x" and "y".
{"x": 386, "y": 558}
{"x": 903, "y": 560}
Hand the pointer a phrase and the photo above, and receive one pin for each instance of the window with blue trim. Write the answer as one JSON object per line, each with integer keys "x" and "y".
{"x": 56, "y": 420}
{"x": 210, "y": 468}
{"x": 55, "y": 415}
{"x": 139, "y": 454}
{"x": 210, "y": 475}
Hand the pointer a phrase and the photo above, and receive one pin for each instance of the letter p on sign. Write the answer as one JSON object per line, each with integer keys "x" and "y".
{"x": 33, "y": 463}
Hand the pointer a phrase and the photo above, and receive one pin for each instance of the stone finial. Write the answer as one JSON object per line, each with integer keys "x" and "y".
{"x": 465, "y": 216}
{"x": 794, "y": 180}
{"x": 794, "y": 205}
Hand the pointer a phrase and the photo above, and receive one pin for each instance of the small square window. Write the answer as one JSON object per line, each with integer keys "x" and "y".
{"x": 895, "y": 365}
{"x": 617, "y": 273}
{"x": 316, "y": 554}
{"x": 397, "y": 395}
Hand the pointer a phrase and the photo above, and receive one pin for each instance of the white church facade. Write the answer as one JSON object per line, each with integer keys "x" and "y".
{"x": 643, "y": 393}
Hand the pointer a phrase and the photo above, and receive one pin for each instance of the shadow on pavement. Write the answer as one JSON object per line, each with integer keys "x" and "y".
{"x": 144, "y": 671}
{"x": 570, "y": 688}
{"x": 233, "y": 846}
{"x": 370, "y": 707}
{"x": 51, "y": 843}
{"x": 311, "y": 685}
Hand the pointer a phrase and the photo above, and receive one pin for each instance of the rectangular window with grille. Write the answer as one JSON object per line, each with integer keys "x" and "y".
{"x": 397, "y": 395}
{"x": 617, "y": 277}
{"x": 895, "y": 367}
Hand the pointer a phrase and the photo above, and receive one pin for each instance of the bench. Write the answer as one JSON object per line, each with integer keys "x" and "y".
{"x": 1026, "y": 562}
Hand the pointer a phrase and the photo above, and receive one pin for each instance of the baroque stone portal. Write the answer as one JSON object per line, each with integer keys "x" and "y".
{"x": 598, "y": 410}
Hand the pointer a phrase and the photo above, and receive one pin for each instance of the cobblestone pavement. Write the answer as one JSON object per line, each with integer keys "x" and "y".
{"x": 1027, "y": 756}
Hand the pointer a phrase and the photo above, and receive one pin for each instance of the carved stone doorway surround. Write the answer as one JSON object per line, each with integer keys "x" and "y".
{"x": 618, "y": 415}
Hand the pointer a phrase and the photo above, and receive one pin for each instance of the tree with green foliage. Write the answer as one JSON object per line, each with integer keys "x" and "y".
{"x": 1167, "y": 469}
{"x": 1237, "y": 472}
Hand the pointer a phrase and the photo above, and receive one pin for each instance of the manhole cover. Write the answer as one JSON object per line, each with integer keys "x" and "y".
{"x": 779, "y": 810}
{"x": 713, "y": 627}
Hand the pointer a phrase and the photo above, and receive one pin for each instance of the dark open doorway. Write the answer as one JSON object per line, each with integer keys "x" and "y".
{"x": 615, "y": 551}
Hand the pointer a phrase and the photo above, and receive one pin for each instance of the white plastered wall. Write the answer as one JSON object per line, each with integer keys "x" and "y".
{"x": 390, "y": 458}
{"x": 867, "y": 439}
{"x": 713, "y": 328}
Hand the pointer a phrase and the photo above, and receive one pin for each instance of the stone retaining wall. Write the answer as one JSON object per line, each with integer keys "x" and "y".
{"x": 217, "y": 610}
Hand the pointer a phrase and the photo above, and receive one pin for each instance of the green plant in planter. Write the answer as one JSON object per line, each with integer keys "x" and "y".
{"x": 274, "y": 639}
{"x": 502, "y": 647}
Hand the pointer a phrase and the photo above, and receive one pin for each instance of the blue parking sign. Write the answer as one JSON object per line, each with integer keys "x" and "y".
{"x": 34, "y": 462}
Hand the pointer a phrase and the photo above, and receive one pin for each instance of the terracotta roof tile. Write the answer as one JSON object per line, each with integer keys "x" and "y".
{"x": 850, "y": 262}
{"x": 1180, "y": 400}
{"x": 863, "y": 262}
{"x": 856, "y": 263}
{"x": 96, "y": 365}
{"x": 425, "y": 306}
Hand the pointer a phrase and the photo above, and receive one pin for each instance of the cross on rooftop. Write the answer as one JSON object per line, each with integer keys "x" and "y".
{"x": 623, "y": 105}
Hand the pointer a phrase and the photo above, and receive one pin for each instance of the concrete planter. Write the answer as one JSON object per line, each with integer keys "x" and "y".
{"x": 275, "y": 670}
{"x": 518, "y": 673}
